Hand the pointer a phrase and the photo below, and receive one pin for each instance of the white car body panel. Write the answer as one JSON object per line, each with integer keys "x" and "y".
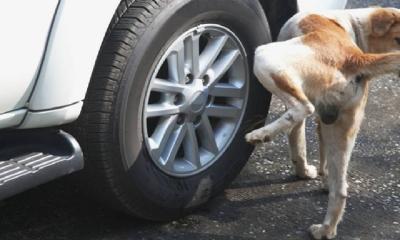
{"x": 52, "y": 117}
{"x": 316, "y": 5}
{"x": 75, "y": 41}
{"x": 24, "y": 29}
{"x": 12, "y": 118}
{"x": 74, "y": 44}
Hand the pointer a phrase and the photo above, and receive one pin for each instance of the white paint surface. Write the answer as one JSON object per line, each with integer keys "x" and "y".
{"x": 53, "y": 117}
{"x": 12, "y": 118}
{"x": 75, "y": 42}
{"x": 24, "y": 26}
{"x": 314, "y": 5}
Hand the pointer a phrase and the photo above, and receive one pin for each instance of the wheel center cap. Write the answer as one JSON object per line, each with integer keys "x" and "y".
{"x": 198, "y": 101}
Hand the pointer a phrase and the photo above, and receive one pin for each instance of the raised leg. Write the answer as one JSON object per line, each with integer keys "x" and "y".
{"x": 338, "y": 140}
{"x": 298, "y": 151}
{"x": 286, "y": 122}
{"x": 281, "y": 84}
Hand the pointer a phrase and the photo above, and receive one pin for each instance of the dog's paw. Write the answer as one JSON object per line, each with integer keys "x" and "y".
{"x": 256, "y": 138}
{"x": 309, "y": 172}
{"x": 319, "y": 231}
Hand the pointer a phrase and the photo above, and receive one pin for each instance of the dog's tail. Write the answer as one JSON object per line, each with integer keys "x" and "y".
{"x": 373, "y": 64}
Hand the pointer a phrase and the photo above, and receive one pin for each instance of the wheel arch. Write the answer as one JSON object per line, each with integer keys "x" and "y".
{"x": 74, "y": 43}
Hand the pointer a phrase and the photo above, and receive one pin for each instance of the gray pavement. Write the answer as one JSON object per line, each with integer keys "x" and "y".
{"x": 265, "y": 202}
{"x": 369, "y": 3}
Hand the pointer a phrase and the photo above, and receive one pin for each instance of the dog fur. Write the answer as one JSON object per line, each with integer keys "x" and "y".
{"x": 323, "y": 63}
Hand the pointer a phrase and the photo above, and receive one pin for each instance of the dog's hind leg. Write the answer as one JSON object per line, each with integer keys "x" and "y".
{"x": 298, "y": 151}
{"x": 323, "y": 169}
{"x": 295, "y": 114}
{"x": 338, "y": 141}
{"x": 298, "y": 107}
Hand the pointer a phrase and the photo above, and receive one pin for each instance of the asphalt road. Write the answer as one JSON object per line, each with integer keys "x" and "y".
{"x": 265, "y": 202}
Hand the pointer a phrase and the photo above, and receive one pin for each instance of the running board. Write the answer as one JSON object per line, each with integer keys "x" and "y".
{"x": 30, "y": 158}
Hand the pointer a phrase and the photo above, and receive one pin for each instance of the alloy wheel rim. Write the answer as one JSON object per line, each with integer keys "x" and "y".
{"x": 195, "y": 100}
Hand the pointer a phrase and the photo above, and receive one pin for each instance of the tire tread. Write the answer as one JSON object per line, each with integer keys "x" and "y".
{"x": 94, "y": 128}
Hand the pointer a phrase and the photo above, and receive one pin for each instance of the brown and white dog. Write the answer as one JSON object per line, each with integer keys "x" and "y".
{"x": 323, "y": 63}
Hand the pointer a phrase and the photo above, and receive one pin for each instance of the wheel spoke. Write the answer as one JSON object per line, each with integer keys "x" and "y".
{"x": 210, "y": 53}
{"x": 192, "y": 53}
{"x": 173, "y": 146}
{"x": 176, "y": 64}
{"x": 226, "y": 90}
{"x": 207, "y": 136}
{"x": 223, "y": 111}
{"x": 160, "y": 85}
{"x": 158, "y": 110}
{"x": 222, "y": 65}
{"x": 161, "y": 136}
{"x": 191, "y": 146}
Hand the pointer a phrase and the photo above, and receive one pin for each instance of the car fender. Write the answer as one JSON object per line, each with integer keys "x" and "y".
{"x": 75, "y": 41}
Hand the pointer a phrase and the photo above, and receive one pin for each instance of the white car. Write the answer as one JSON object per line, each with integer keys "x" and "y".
{"x": 152, "y": 96}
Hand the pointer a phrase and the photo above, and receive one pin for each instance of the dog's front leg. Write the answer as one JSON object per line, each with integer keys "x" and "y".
{"x": 338, "y": 141}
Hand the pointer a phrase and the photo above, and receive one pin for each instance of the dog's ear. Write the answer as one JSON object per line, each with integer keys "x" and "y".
{"x": 382, "y": 20}
{"x": 374, "y": 64}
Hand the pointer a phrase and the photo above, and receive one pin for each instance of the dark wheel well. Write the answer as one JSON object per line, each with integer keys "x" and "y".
{"x": 278, "y": 12}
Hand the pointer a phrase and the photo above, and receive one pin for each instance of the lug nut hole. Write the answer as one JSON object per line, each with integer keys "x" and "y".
{"x": 189, "y": 78}
{"x": 206, "y": 80}
{"x": 178, "y": 99}
{"x": 181, "y": 119}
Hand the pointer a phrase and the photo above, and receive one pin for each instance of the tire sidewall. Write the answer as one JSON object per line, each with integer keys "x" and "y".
{"x": 143, "y": 179}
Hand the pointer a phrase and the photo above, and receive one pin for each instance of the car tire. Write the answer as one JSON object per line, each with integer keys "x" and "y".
{"x": 118, "y": 166}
